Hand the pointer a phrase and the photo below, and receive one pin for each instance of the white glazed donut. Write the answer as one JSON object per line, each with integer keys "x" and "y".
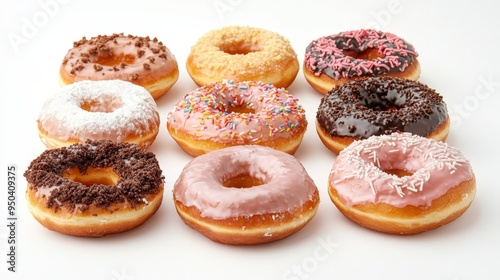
{"x": 109, "y": 110}
{"x": 245, "y": 195}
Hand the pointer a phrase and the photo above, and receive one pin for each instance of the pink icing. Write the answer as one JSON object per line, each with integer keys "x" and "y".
{"x": 286, "y": 187}
{"x": 206, "y": 112}
{"x": 138, "y": 57}
{"x": 118, "y": 109}
{"x": 358, "y": 173}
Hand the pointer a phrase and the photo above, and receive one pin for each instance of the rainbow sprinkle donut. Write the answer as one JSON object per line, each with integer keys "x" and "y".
{"x": 229, "y": 113}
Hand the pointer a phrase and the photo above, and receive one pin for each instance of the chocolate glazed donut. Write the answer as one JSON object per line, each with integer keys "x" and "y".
{"x": 377, "y": 106}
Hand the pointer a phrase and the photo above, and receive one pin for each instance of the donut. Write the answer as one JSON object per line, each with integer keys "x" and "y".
{"x": 333, "y": 60}
{"x": 112, "y": 110}
{"x": 370, "y": 106}
{"x": 401, "y": 183}
{"x": 225, "y": 114}
{"x": 245, "y": 195}
{"x": 94, "y": 188}
{"x": 140, "y": 60}
{"x": 242, "y": 53}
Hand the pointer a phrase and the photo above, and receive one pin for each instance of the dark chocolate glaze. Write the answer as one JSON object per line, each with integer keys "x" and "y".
{"x": 139, "y": 173}
{"x": 381, "y": 105}
{"x": 325, "y": 55}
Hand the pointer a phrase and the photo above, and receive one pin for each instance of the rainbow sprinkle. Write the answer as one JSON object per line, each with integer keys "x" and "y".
{"x": 247, "y": 112}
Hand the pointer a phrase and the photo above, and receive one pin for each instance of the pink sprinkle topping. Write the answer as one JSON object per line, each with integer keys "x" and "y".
{"x": 327, "y": 54}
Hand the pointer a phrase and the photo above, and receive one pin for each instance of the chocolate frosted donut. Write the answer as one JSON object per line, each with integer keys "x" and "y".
{"x": 95, "y": 188}
{"x": 377, "y": 106}
{"x": 331, "y": 61}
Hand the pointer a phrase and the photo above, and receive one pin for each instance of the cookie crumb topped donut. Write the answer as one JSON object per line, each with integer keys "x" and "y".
{"x": 371, "y": 106}
{"x": 242, "y": 53}
{"x": 401, "y": 183}
{"x": 144, "y": 61}
{"x": 333, "y": 60}
{"x": 94, "y": 188}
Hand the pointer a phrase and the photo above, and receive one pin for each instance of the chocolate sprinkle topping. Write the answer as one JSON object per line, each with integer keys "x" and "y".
{"x": 139, "y": 173}
{"x": 102, "y": 46}
{"x": 381, "y": 105}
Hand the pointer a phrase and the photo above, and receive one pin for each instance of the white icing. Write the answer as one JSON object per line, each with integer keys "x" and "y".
{"x": 117, "y": 110}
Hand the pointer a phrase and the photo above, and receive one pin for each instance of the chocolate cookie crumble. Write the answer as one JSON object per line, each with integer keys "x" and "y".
{"x": 138, "y": 170}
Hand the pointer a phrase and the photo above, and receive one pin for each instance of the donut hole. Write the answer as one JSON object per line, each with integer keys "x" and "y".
{"x": 242, "y": 109}
{"x": 93, "y": 176}
{"x": 106, "y": 104}
{"x": 115, "y": 60}
{"x": 240, "y": 48}
{"x": 381, "y": 101}
{"x": 398, "y": 172}
{"x": 368, "y": 54}
{"x": 242, "y": 181}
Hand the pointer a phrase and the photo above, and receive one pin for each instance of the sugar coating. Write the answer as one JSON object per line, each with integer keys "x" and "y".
{"x": 115, "y": 110}
{"x": 269, "y": 51}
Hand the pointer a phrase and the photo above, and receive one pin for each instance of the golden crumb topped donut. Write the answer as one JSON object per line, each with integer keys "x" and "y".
{"x": 94, "y": 188}
{"x": 143, "y": 61}
{"x": 242, "y": 53}
{"x": 113, "y": 110}
{"x": 221, "y": 115}
{"x": 401, "y": 183}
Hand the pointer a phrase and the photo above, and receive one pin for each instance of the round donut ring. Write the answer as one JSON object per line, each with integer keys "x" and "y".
{"x": 140, "y": 60}
{"x": 371, "y": 106}
{"x": 333, "y": 60}
{"x": 245, "y": 195}
{"x": 243, "y": 54}
{"x": 220, "y": 115}
{"x": 112, "y": 110}
{"x": 95, "y": 188}
{"x": 401, "y": 183}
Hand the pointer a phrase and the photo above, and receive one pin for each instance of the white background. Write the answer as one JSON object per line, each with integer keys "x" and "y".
{"x": 458, "y": 51}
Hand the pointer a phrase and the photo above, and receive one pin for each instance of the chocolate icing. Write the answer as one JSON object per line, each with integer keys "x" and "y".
{"x": 139, "y": 173}
{"x": 326, "y": 55}
{"x": 381, "y": 105}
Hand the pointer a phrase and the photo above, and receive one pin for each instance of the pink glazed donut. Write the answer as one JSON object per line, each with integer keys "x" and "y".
{"x": 226, "y": 114}
{"x": 245, "y": 195}
{"x": 401, "y": 183}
